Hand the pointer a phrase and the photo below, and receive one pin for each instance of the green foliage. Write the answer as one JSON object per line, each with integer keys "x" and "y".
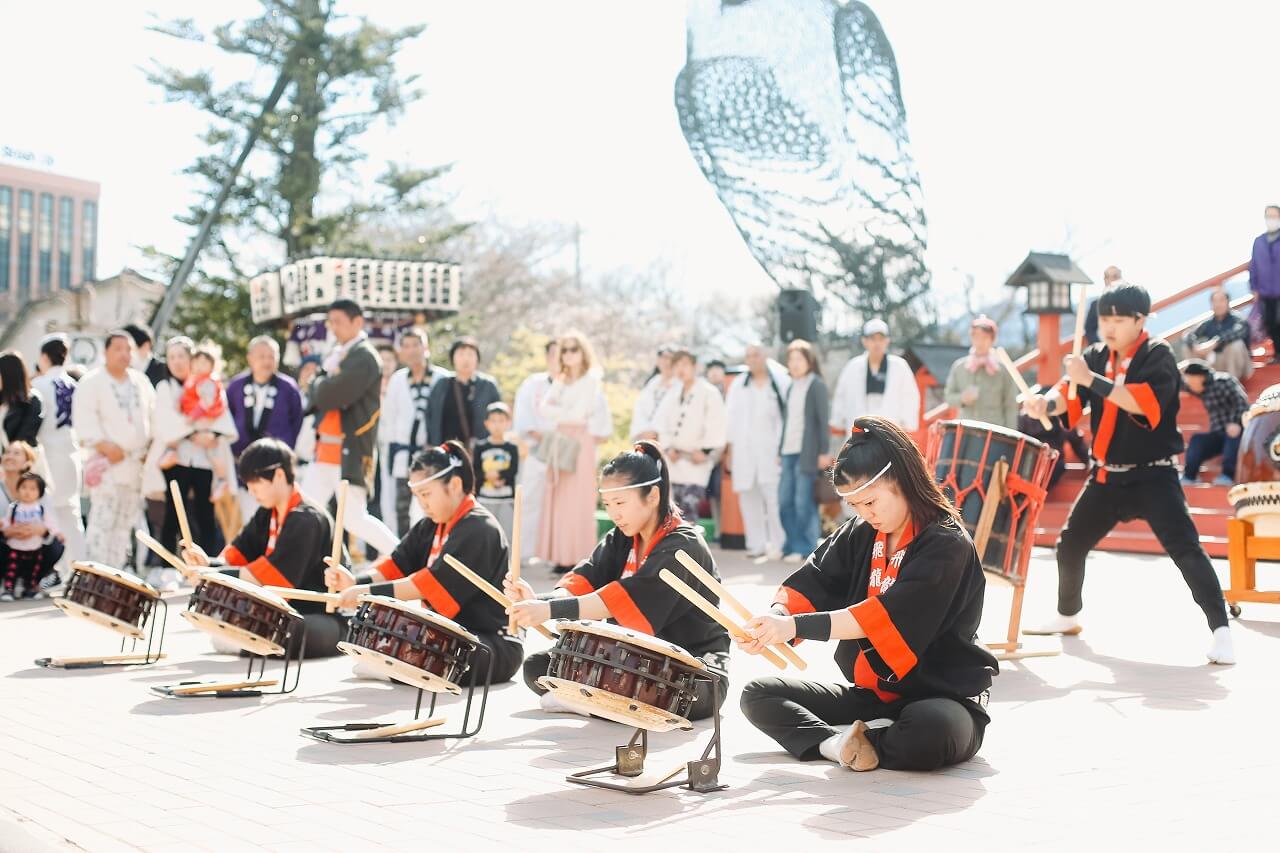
{"x": 342, "y": 80}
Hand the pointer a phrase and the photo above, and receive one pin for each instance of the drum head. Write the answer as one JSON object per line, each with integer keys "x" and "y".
{"x": 635, "y": 638}
{"x": 611, "y": 706}
{"x": 71, "y": 608}
{"x": 1012, "y": 435}
{"x": 246, "y": 640}
{"x": 417, "y": 611}
{"x": 399, "y": 670}
{"x": 120, "y": 577}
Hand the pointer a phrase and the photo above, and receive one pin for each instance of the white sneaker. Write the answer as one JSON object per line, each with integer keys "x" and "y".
{"x": 794, "y": 559}
{"x": 1223, "y": 650}
{"x": 170, "y": 580}
{"x": 754, "y": 555}
{"x": 1059, "y": 624}
{"x": 155, "y": 577}
{"x": 773, "y": 556}
{"x": 368, "y": 672}
{"x": 223, "y": 647}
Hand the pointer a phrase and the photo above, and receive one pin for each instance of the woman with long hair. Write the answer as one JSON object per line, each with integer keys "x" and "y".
{"x": 576, "y": 408}
{"x": 900, "y": 588}
{"x": 619, "y": 580}
{"x": 21, "y": 411}
{"x": 803, "y": 449}
{"x": 443, "y": 480}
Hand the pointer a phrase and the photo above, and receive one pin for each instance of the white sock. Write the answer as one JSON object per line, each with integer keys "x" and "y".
{"x": 830, "y": 748}
{"x": 1223, "y": 650}
{"x": 551, "y": 703}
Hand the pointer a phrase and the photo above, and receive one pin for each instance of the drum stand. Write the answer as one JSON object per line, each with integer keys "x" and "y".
{"x": 252, "y": 684}
{"x": 412, "y": 731}
{"x": 155, "y": 642}
{"x": 701, "y": 775}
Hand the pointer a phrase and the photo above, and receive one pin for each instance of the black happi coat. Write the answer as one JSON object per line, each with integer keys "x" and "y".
{"x": 644, "y": 602}
{"x": 1152, "y": 378}
{"x": 921, "y": 632}
{"x": 297, "y": 561}
{"x": 479, "y": 543}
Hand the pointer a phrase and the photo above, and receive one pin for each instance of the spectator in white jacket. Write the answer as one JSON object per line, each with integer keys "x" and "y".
{"x": 404, "y": 411}
{"x": 755, "y": 409}
{"x": 531, "y": 427}
{"x": 644, "y": 414}
{"x": 111, "y": 412}
{"x": 58, "y": 441}
{"x": 691, "y": 430}
{"x": 874, "y": 383}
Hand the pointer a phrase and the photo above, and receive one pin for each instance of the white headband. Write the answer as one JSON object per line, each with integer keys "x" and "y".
{"x": 653, "y": 482}
{"x": 865, "y": 485}
{"x": 453, "y": 463}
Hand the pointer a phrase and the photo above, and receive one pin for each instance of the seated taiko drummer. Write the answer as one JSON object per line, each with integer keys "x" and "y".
{"x": 443, "y": 480}
{"x": 900, "y": 588}
{"x": 284, "y": 543}
{"x": 620, "y": 581}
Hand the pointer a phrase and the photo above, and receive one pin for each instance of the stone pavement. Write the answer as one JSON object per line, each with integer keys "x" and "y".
{"x": 1127, "y": 738}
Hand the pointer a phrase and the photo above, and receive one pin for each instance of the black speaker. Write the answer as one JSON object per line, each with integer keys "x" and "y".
{"x": 797, "y": 316}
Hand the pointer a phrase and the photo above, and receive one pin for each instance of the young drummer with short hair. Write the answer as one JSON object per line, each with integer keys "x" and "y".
{"x": 901, "y": 588}
{"x": 1129, "y": 383}
{"x": 620, "y": 581}
{"x": 284, "y": 543}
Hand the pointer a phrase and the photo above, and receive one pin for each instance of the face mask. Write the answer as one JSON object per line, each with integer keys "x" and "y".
{"x": 1273, "y": 224}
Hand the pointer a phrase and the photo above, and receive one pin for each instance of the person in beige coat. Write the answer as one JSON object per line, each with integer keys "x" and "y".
{"x": 692, "y": 431}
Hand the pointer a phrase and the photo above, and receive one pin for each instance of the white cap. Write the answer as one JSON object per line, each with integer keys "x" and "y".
{"x": 875, "y": 327}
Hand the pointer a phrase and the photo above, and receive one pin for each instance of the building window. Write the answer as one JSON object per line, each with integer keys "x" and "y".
{"x": 6, "y": 225}
{"x": 45, "y": 238}
{"x": 89, "y": 241}
{"x": 66, "y": 210}
{"x": 26, "y": 215}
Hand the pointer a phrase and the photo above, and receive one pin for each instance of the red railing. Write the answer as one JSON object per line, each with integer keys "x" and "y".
{"x": 1064, "y": 346}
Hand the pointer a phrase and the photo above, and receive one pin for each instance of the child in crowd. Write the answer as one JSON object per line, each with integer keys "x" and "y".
{"x": 497, "y": 462}
{"x": 27, "y": 558}
{"x": 203, "y": 402}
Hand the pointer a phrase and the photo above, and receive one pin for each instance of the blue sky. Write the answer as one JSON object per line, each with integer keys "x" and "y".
{"x": 1146, "y": 141}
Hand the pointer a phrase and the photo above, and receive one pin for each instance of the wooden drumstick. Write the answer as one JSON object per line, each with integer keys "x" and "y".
{"x": 180, "y": 509}
{"x": 514, "y": 572}
{"x": 734, "y": 629}
{"x": 304, "y": 594}
{"x": 708, "y": 580}
{"x": 1019, "y": 382}
{"x": 1078, "y": 342}
{"x": 167, "y": 555}
{"x": 332, "y": 604}
{"x": 490, "y": 590}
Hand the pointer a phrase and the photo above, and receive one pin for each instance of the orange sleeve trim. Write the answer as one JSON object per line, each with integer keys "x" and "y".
{"x": 233, "y": 557}
{"x": 576, "y": 584}
{"x": 623, "y": 608}
{"x": 1146, "y": 399}
{"x": 793, "y": 601}
{"x": 267, "y": 574}
{"x": 435, "y": 594}
{"x": 389, "y": 570}
{"x": 883, "y": 634}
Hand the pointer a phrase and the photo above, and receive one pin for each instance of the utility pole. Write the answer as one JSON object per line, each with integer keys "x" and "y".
{"x": 167, "y": 305}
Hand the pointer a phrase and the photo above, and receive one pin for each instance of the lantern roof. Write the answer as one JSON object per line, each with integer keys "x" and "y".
{"x": 1047, "y": 266}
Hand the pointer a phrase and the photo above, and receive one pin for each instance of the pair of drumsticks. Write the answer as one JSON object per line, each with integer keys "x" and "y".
{"x": 180, "y": 509}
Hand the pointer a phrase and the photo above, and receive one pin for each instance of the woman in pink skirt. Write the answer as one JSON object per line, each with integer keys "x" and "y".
{"x": 577, "y": 409}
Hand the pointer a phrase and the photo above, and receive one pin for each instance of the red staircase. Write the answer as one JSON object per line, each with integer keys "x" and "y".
{"x": 1208, "y": 502}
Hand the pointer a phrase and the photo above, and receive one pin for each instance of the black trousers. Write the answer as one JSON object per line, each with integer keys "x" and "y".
{"x": 1271, "y": 319}
{"x": 1155, "y": 496}
{"x": 324, "y": 631}
{"x": 535, "y": 666}
{"x": 195, "y": 484}
{"x": 508, "y": 654}
{"x": 926, "y": 733}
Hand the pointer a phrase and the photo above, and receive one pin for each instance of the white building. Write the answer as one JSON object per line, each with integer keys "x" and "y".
{"x": 85, "y": 314}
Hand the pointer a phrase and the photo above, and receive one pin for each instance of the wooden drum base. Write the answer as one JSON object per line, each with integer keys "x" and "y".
{"x": 239, "y": 637}
{"x": 398, "y": 670}
{"x": 593, "y": 702}
{"x": 111, "y": 623}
